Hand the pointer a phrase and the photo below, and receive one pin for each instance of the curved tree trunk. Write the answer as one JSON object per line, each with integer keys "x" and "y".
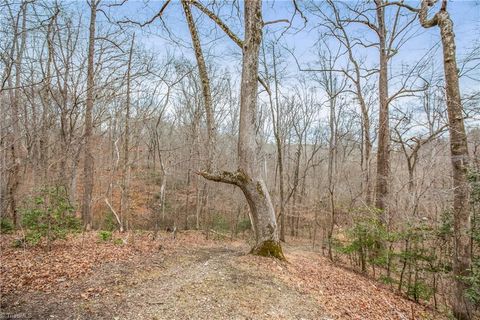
{"x": 253, "y": 186}
{"x": 248, "y": 177}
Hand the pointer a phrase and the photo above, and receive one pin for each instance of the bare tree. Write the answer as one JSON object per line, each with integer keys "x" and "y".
{"x": 16, "y": 146}
{"x": 126, "y": 143}
{"x": 202, "y": 193}
{"x": 89, "y": 159}
{"x": 459, "y": 154}
{"x": 334, "y": 86}
{"x": 248, "y": 177}
{"x": 339, "y": 32}
{"x": 207, "y": 94}
{"x": 383, "y": 163}
{"x": 278, "y": 116}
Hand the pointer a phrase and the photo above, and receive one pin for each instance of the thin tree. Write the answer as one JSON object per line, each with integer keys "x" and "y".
{"x": 208, "y": 104}
{"x": 89, "y": 159}
{"x": 341, "y": 34}
{"x": 126, "y": 144}
{"x": 276, "y": 112}
{"x": 17, "y": 146}
{"x": 383, "y": 159}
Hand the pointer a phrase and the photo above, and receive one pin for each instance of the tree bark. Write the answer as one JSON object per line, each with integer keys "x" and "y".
{"x": 278, "y": 135}
{"x": 278, "y": 140}
{"x": 248, "y": 177}
{"x": 332, "y": 145}
{"x": 16, "y": 146}
{"x": 208, "y": 104}
{"x": 383, "y": 161}
{"x": 253, "y": 186}
{"x": 206, "y": 89}
{"x": 126, "y": 146}
{"x": 459, "y": 157}
{"x": 89, "y": 160}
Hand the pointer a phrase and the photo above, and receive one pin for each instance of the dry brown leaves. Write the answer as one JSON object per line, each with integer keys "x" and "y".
{"x": 36, "y": 268}
{"x": 342, "y": 293}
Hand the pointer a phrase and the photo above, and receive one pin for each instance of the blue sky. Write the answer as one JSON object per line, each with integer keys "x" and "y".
{"x": 465, "y": 14}
{"x": 224, "y": 53}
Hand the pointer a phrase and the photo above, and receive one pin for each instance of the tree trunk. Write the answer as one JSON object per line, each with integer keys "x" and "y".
{"x": 248, "y": 177}
{"x": 276, "y": 114}
{"x": 460, "y": 160}
{"x": 367, "y": 142}
{"x": 366, "y": 147}
{"x": 459, "y": 156}
{"x": 331, "y": 168}
{"x": 206, "y": 90}
{"x": 89, "y": 160}
{"x": 17, "y": 147}
{"x": 278, "y": 140}
{"x": 126, "y": 146}
{"x": 253, "y": 187}
{"x": 383, "y": 166}
{"x": 208, "y": 103}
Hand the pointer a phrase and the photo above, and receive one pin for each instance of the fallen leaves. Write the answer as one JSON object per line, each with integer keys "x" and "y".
{"x": 342, "y": 293}
{"x": 35, "y": 268}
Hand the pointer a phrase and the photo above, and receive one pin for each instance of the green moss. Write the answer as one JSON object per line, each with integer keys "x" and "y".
{"x": 260, "y": 190}
{"x": 242, "y": 176}
{"x": 269, "y": 248}
{"x": 238, "y": 177}
{"x": 228, "y": 175}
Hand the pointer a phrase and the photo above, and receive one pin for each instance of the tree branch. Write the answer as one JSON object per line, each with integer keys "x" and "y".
{"x": 237, "y": 178}
{"x": 424, "y": 21}
{"x": 158, "y": 15}
{"x": 276, "y": 21}
{"x": 218, "y": 21}
{"x": 225, "y": 29}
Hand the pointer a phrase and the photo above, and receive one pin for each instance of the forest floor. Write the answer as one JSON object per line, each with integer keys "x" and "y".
{"x": 186, "y": 278}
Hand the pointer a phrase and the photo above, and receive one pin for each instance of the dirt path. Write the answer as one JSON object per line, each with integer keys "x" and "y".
{"x": 199, "y": 283}
{"x": 215, "y": 280}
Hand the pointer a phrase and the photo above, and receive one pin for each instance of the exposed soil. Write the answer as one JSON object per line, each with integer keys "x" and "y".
{"x": 190, "y": 278}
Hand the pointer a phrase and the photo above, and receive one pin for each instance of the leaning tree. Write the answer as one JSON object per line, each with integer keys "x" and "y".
{"x": 248, "y": 177}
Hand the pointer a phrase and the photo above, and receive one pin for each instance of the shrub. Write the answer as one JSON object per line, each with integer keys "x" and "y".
{"x": 473, "y": 278}
{"x": 6, "y": 225}
{"x": 105, "y": 235}
{"x": 109, "y": 222}
{"x": 419, "y": 290}
{"x": 365, "y": 239}
{"x": 401, "y": 255}
{"x": 49, "y": 215}
{"x": 118, "y": 242}
{"x": 387, "y": 280}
